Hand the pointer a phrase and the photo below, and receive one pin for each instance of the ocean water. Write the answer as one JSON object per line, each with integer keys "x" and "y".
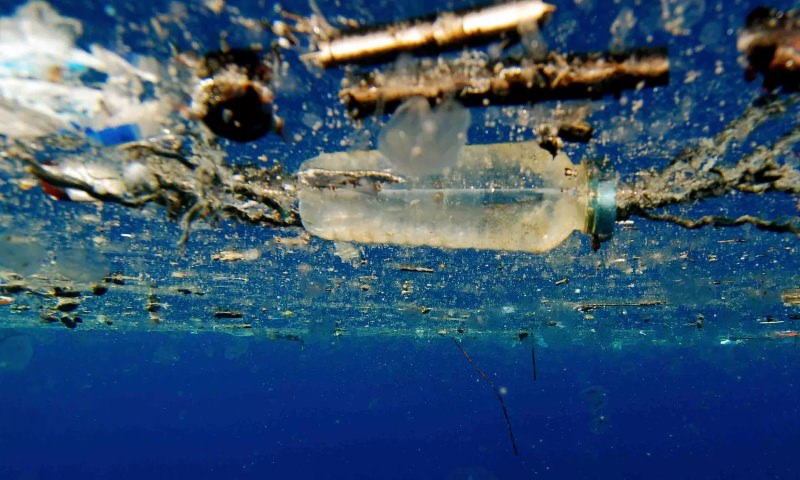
{"x": 350, "y": 368}
{"x": 154, "y": 405}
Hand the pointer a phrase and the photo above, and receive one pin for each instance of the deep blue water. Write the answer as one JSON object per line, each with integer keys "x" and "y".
{"x": 149, "y": 405}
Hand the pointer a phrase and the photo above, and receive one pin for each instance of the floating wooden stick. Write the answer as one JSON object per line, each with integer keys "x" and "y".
{"x": 475, "y": 80}
{"x": 446, "y": 30}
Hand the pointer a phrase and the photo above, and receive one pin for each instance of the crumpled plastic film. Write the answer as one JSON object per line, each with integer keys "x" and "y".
{"x": 42, "y": 90}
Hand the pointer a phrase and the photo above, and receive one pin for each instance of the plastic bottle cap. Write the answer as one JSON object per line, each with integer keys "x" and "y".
{"x": 602, "y": 212}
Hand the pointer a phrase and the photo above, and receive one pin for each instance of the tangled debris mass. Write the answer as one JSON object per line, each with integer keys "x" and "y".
{"x": 190, "y": 185}
{"x": 697, "y": 174}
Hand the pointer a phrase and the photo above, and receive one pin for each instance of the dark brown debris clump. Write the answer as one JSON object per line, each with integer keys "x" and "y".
{"x": 234, "y": 98}
{"x": 771, "y": 44}
{"x": 228, "y": 314}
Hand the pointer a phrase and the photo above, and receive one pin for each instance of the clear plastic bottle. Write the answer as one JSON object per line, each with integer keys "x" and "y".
{"x": 504, "y": 196}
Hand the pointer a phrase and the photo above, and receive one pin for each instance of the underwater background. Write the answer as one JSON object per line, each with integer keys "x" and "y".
{"x": 155, "y": 405}
{"x": 350, "y": 369}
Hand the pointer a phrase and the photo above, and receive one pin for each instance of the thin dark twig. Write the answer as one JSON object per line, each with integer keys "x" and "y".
{"x": 496, "y": 392}
{"x": 186, "y": 222}
{"x": 533, "y": 362}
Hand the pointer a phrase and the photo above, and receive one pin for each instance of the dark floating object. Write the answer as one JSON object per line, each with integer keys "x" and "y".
{"x": 228, "y": 314}
{"x": 67, "y": 305}
{"x": 13, "y": 287}
{"x": 65, "y": 292}
{"x": 771, "y": 43}
{"x": 233, "y": 98}
{"x": 552, "y": 137}
{"x": 99, "y": 290}
{"x": 153, "y": 304}
{"x": 189, "y": 291}
{"x": 116, "y": 278}
{"x": 72, "y": 322}
{"x": 238, "y": 113}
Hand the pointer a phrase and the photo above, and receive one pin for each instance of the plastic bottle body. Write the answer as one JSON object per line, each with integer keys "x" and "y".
{"x": 507, "y": 196}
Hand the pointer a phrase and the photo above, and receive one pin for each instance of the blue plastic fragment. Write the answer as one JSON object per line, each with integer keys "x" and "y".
{"x": 115, "y": 135}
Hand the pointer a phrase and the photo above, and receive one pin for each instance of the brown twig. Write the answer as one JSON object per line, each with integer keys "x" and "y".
{"x": 477, "y": 80}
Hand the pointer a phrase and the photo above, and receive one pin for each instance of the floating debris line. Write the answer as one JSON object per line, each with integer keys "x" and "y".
{"x": 188, "y": 175}
{"x": 199, "y": 185}
{"x": 588, "y": 307}
{"x": 696, "y": 175}
{"x": 191, "y": 186}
